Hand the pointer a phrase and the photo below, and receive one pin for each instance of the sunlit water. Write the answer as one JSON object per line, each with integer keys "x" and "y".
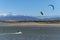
{"x": 30, "y": 33}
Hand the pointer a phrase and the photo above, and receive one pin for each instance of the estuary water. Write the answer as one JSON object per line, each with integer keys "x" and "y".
{"x": 30, "y": 33}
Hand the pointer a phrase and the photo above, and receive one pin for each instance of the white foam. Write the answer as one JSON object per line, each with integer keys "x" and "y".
{"x": 10, "y": 33}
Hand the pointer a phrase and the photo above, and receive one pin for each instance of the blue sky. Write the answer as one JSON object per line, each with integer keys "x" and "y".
{"x": 30, "y": 7}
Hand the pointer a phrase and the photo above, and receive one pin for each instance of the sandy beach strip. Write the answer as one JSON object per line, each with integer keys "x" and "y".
{"x": 30, "y": 24}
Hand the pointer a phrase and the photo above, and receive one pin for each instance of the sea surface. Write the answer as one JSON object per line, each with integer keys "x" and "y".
{"x": 30, "y": 33}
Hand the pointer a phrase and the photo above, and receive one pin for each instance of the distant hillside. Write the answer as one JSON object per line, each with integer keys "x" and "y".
{"x": 46, "y": 18}
{"x": 26, "y": 18}
{"x": 17, "y": 18}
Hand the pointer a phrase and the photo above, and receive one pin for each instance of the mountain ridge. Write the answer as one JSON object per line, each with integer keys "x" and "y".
{"x": 15, "y": 17}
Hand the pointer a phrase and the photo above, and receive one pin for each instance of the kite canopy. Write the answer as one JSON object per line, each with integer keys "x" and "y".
{"x": 48, "y": 5}
{"x": 41, "y": 12}
{"x": 51, "y": 6}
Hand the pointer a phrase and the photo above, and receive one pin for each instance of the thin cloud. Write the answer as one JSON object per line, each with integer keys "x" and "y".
{"x": 7, "y": 14}
{"x": 3, "y": 14}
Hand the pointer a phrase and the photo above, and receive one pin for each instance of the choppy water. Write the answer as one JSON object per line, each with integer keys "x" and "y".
{"x": 30, "y": 33}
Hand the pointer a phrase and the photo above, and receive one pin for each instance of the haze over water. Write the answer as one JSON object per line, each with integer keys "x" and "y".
{"x": 30, "y": 33}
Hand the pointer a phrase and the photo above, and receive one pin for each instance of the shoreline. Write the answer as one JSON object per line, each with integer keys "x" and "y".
{"x": 29, "y": 24}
